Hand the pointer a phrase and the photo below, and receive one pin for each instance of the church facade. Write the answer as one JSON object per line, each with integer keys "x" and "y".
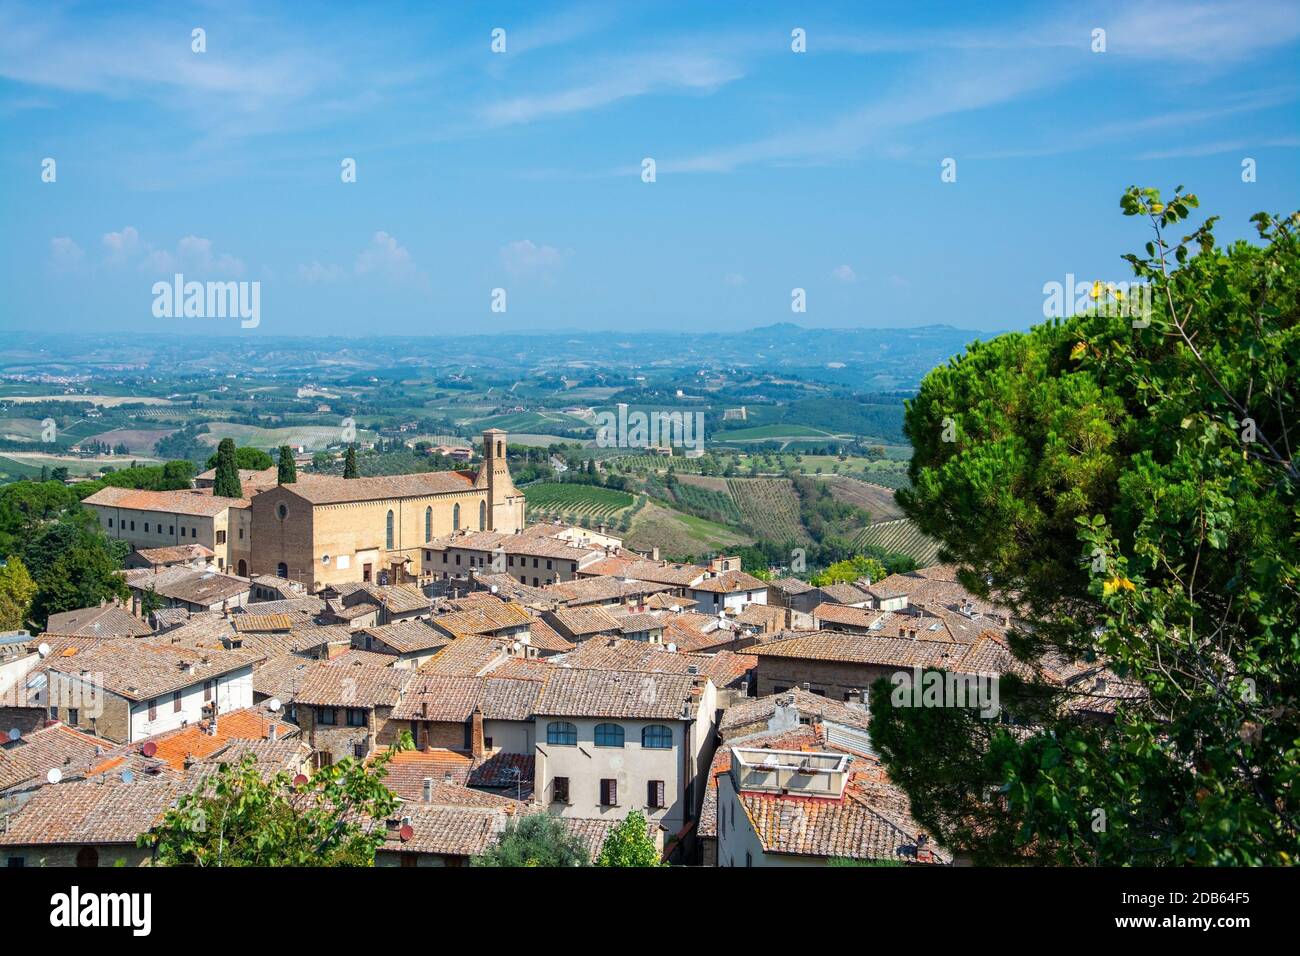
{"x": 323, "y": 530}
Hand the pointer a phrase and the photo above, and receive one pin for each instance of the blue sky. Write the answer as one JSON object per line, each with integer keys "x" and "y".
{"x": 522, "y": 170}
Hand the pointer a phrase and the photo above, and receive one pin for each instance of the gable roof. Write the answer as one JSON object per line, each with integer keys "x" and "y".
{"x": 353, "y": 685}
{"x": 631, "y": 695}
{"x": 140, "y": 671}
{"x": 112, "y": 620}
{"x": 199, "y": 504}
{"x": 327, "y": 489}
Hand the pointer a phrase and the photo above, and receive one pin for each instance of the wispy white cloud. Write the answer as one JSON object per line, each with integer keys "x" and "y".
{"x": 611, "y": 79}
{"x": 194, "y": 254}
{"x": 845, "y": 273}
{"x": 65, "y": 255}
{"x": 525, "y": 258}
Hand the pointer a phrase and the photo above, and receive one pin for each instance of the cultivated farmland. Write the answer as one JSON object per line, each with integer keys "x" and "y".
{"x": 574, "y": 501}
{"x": 770, "y": 507}
{"x": 901, "y": 537}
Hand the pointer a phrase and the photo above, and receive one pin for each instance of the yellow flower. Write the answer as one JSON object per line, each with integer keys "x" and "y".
{"x": 1117, "y": 584}
{"x": 1080, "y": 349}
{"x": 1096, "y": 289}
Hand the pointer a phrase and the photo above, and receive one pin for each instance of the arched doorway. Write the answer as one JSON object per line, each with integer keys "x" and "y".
{"x": 282, "y": 570}
{"x": 242, "y": 568}
{"x": 87, "y": 857}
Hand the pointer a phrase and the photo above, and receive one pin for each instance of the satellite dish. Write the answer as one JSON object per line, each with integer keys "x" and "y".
{"x": 55, "y": 775}
{"x": 149, "y": 748}
{"x": 299, "y": 780}
{"x": 127, "y": 776}
{"x": 274, "y": 705}
{"x": 406, "y": 832}
{"x": 14, "y": 733}
{"x": 43, "y": 650}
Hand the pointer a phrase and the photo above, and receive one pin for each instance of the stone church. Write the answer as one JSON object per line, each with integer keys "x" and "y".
{"x": 323, "y": 530}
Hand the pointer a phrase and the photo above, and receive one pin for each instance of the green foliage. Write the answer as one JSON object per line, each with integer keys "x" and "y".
{"x": 170, "y": 476}
{"x": 539, "y": 839}
{"x": 249, "y": 459}
{"x": 846, "y": 572}
{"x": 150, "y": 602}
{"x": 239, "y": 817}
{"x": 629, "y": 844}
{"x": 286, "y": 470}
{"x": 350, "y": 463}
{"x": 74, "y": 565}
{"x": 1129, "y": 481}
{"x": 17, "y": 590}
{"x": 226, "y": 482}
{"x": 67, "y": 556}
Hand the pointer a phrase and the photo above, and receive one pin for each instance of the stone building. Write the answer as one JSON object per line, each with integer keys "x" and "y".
{"x": 324, "y": 530}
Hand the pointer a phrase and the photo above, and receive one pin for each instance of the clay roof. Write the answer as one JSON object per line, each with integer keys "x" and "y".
{"x": 632, "y": 695}
{"x": 179, "y": 552}
{"x": 729, "y": 582}
{"x": 602, "y": 589}
{"x": 486, "y": 618}
{"x": 282, "y": 676}
{"x": 195, "y": 503}
{"x": 544, "y": 637}
{"x": 639, "y": 569}
{"x": 759, "y": 710}
{"x": 192, "y": 585}
{"x": 112, "y": 620}
{"x": 326, "y": 489}
{"x": 407, "y": 637}
{"x": 353, "y": 685}
{"x": 584, "y": 621}
{"x": 140, "y": 671}
{"x": 194, "y": 741}
{"x": 448, "y": 831}
{"x": 36, "y": 753}
{"x": 92, "y": 811}
{"x": 470, "y": 656}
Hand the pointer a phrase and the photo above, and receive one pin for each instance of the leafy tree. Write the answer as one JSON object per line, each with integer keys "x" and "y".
{"x": 854, "y": 569}
{"x": 539, "y": 839}
{"x": 287, "y": 471}
{"x": 17, "y": 590}
{"x": 150, "y": 602}
{"x": 249, "y": 459}
{"x": 226, "y": 482}
{"x": 74, "y": 566}
{"x": 350, "y": 462}
{"x": 240, "y": 817}
{"x": 1125, "y": 483}
{"x": 629, "y": 844}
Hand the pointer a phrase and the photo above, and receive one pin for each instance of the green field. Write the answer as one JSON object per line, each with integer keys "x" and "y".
{"x": 771, "y": 432}
{"x": 574, "y": 500}
{"x": 311, "y": 437}
{"x": 902, "y": 537}
{"x": 769, "y": 506}
{"x": 679, "y": 535}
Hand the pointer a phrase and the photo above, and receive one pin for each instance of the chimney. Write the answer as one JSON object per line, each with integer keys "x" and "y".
{"x": 273, "y": 732}
{"x": 427, "y": 790}
{"x": 476, "y": 732}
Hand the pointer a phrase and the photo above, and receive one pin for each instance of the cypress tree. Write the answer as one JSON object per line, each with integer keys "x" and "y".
{"x": 286, "y": 470}
{"x": 226, "y": 483}
{"x": 350, "y": 462}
